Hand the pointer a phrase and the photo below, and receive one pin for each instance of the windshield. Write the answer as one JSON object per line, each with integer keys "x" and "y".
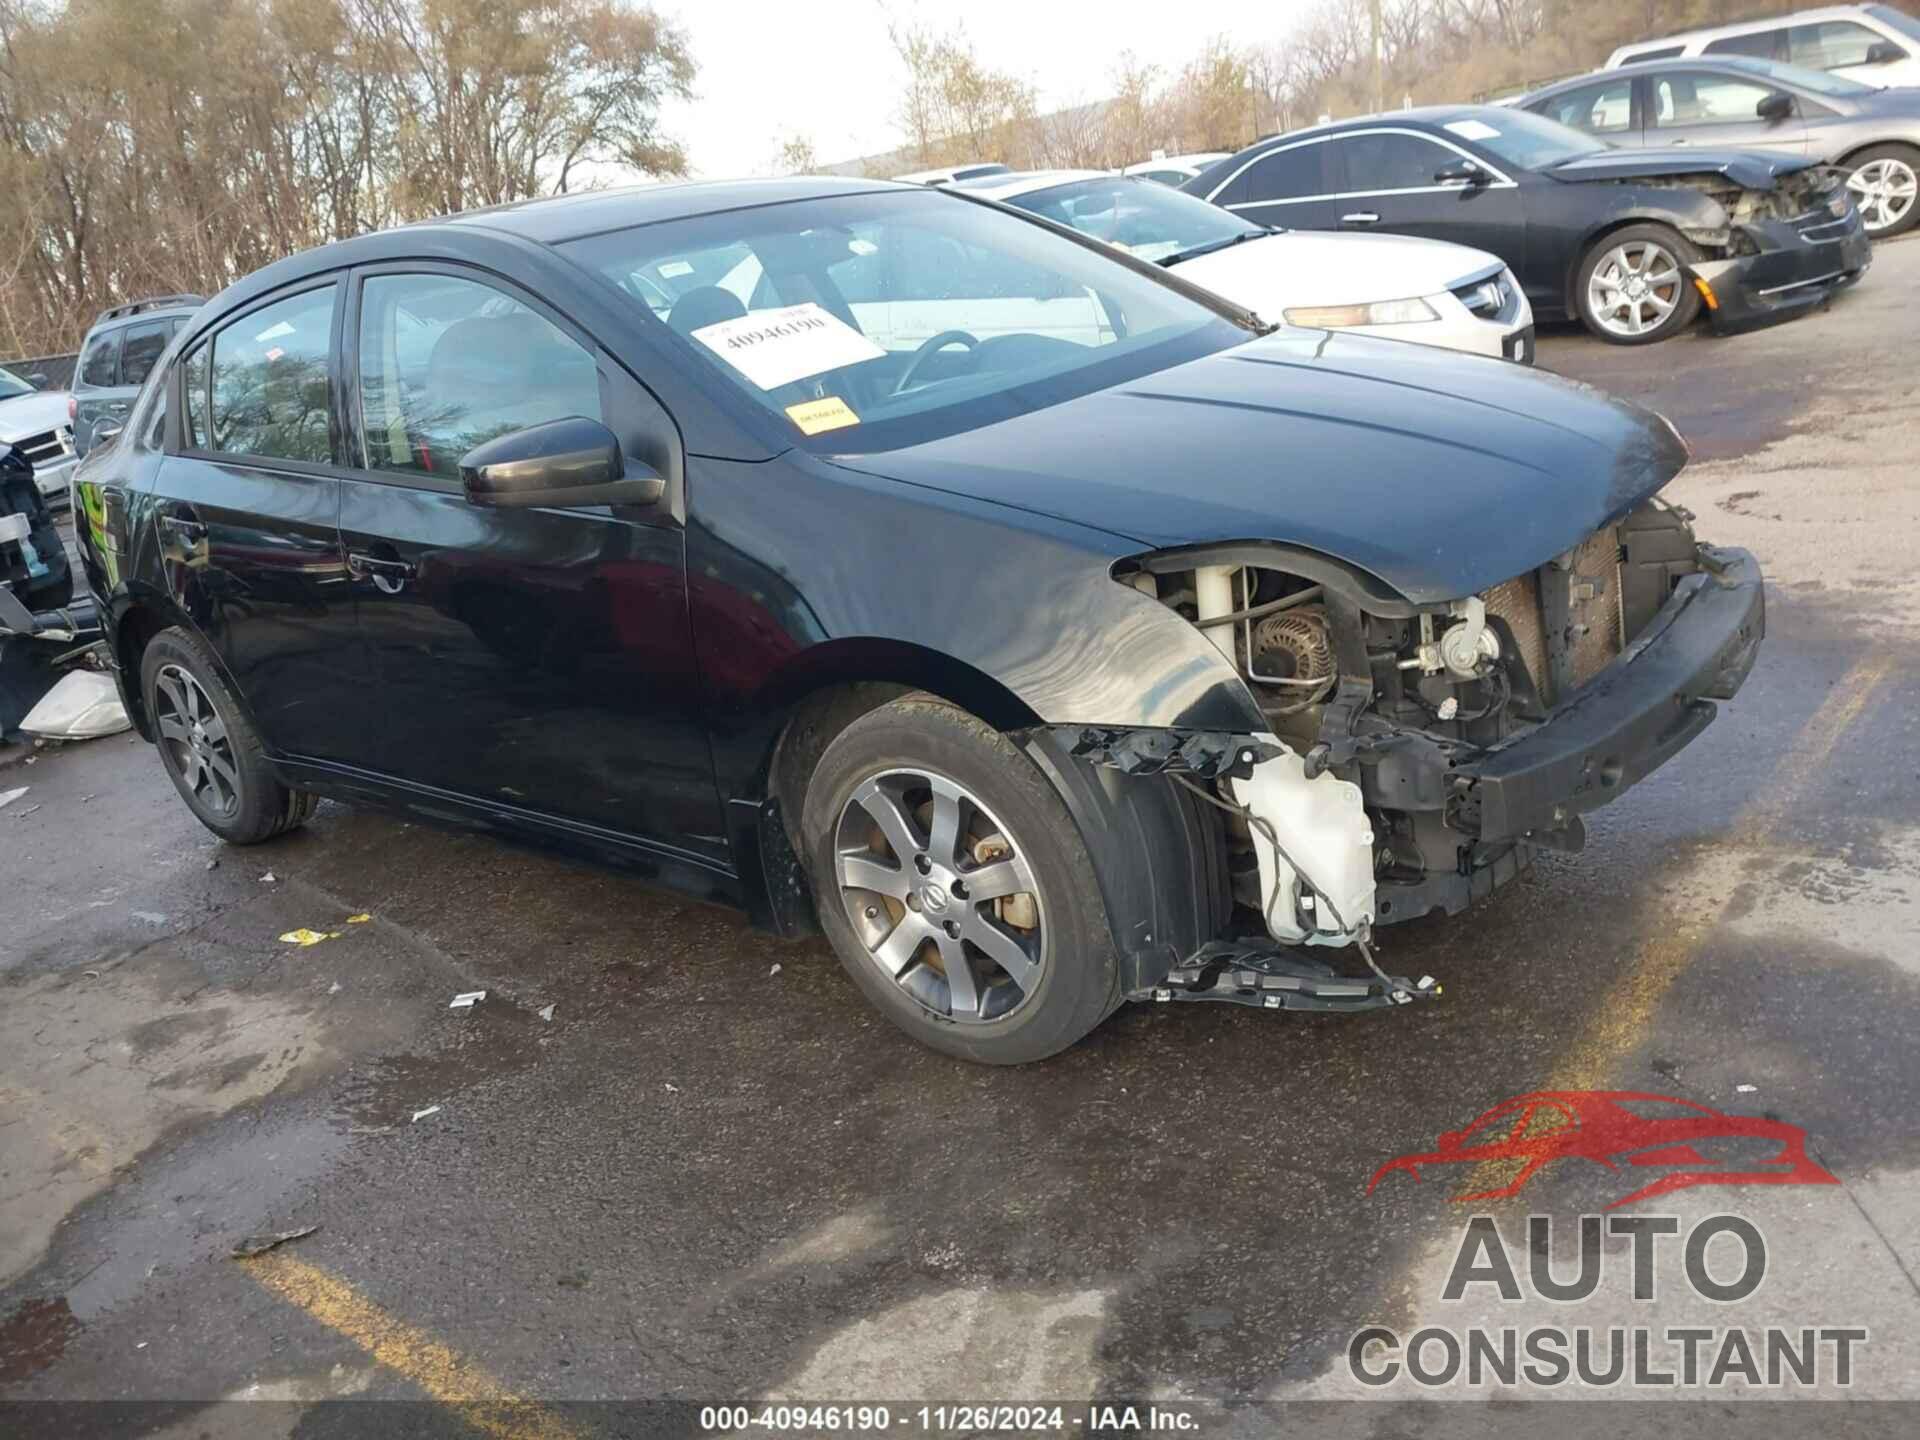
{"x": 870, "y": 321}
{"x": 1897, "y": 19}
{"x": 1137, "y": 216}
{"x": 1523, "y": 138}
{"x": 12, "y": 387}
{"x": 1818, "y": 81}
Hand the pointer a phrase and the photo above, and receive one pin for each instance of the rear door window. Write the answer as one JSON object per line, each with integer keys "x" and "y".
{"x": 1296, "y": 173}
{"x": 270, "y": 394}
{"x": 141, "y": 349}
{"x": 100, "y": 365}
{"x": 1761, "y": 45}
{"x": 1701, "y": 97}
{"x": 1604, "y": 109}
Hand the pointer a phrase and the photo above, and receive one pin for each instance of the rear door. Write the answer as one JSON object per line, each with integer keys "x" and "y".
{"x": 1707, "y": 107}
{"x": 247, "y": 509}
{"x": 532, "y": 660}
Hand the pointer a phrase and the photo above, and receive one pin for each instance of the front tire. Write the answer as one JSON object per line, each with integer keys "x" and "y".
{"x": 1632, "y": 287}
{"x": 208, "y": 745}
{"x": 1885, "y": 181}
{"x": 955, "y": 886}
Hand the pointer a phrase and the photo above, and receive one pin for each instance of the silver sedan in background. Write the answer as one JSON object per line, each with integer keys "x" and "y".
{"x": 1744, "y": 104}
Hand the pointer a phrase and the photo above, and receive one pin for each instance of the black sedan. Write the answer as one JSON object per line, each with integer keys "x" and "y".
{"x": 1633, "y": 242}
{"x": 881, "y": 560}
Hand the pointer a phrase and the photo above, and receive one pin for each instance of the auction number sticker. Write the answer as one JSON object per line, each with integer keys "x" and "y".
{"x": 776, "y": 347}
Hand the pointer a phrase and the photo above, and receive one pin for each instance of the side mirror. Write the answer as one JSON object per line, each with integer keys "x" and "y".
{"x": 575, "y": 461}
{"x": 106, "y": 434}
{"x": 1884, "y": 52}
{"x": 1461, "y": 172}
{"x": 1775, "y": 106}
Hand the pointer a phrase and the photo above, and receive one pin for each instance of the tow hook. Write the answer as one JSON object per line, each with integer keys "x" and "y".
{"x": 1269, "y": 977}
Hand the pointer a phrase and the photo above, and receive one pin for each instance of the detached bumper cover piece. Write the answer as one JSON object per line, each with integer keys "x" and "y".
{"x": 1632, "y": 717}
{"x": 1799, "y": 264}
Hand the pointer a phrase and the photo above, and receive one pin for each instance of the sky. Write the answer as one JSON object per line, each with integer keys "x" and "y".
{"x": 771, "y": 69}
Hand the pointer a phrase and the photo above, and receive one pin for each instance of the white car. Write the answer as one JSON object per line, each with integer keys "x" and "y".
{"x": 1397, "y": 286}
{"x": 1874, "y": 44}
{"x": 37, "y": 424}
{"x": 1176, "y": 170}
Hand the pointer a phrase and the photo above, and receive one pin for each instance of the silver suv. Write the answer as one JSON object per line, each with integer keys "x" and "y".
{"x": 120, "y": 351}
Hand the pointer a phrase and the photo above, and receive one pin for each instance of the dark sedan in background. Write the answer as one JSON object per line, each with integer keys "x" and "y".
{"x": 1871, "y": 133}
{"x": 1632, "y": 242}
{"x": 963, "y": 648}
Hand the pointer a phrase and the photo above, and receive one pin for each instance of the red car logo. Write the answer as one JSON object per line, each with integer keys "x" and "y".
{"x": 1615, "y": 1127}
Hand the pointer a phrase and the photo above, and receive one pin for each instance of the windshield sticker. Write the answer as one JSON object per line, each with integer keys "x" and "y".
{"x": 1473, "y": 130}
{"x": 815, "y": 417}
{"x": 776, "y": 347}
{"x": 273, "y": 332}
{"x": 674, "y": 269}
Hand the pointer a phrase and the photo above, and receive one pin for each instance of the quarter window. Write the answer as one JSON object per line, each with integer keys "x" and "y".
{"x": 1830, "y": 44}
{"x": 1391, "y": 162}
{"x": 447, "y": 364}
{"x": 1598, "y": 109}
{"x": 1761, "y": 45}
{"x": 269, "y": 393}
{"x": 101, "y": 364}
{"x": 1705, "y": 99}
{"x": 143, "y": 346}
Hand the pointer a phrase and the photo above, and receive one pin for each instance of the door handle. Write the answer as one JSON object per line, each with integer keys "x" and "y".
{"x": 372, "y": 567}
{"x": 118, "y": 407}
{"x": 1681, "y": 140}
{"x": 1360, "y": 217}
{"x": 192, "y": 531}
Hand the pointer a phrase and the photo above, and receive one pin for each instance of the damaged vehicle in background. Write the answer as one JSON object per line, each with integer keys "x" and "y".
{"x": 1632, "y": 242}
{"x": 1044, "y": 662}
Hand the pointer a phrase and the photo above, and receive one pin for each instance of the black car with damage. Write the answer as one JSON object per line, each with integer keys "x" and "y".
{"x": 888, "y": 562}
{"x": 1633, "y": 242}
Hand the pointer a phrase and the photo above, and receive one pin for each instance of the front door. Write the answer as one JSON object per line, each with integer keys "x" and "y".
{"x": 247, "y": 513}
{"x": 1706, "y": 107}
{"x": 533, "y": 660}
{"x": 1389, "y": 183}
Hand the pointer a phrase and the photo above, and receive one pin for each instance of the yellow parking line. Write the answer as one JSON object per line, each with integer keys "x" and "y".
{"x": 1620, "y": 1020}
{"x": 449, "y": 1377}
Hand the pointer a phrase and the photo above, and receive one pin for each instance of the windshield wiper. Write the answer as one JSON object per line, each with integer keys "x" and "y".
{"x": 1211, "y": 246}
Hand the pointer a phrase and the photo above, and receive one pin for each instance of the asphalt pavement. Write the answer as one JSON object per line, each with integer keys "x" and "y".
{"x": 714, "y": 1176}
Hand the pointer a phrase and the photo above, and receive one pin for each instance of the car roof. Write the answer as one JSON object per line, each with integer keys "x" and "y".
{"x": 557, "y": 218}
{"x": 1423, "y": 117}
{"x": 1738, "y": 64}
{"x": 1748, "y": 24}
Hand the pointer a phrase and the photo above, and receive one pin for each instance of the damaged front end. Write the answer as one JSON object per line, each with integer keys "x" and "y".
{"x": 1418, "y": 755}
{"x": 1783, "y": 246}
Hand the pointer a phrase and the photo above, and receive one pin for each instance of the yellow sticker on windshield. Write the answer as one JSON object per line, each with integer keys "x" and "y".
{"x": 817, "y": 416}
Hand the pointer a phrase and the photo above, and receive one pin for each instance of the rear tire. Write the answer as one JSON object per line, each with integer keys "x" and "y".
{"x": 208, "y": 745}
{"x": 1632, "y": 287}
{"x": 998, "y": 979}
{"x": 1885, "y": 182}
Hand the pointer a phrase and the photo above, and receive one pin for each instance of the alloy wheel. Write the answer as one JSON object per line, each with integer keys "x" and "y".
{"x": 941, "y": 895}
{"x": 195, "y": 741}
{"x": 1634, "y": 288}
{"x": 1884, "y": 191}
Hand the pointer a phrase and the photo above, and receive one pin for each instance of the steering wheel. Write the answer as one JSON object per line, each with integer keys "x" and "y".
{"x": 927, "y": 351}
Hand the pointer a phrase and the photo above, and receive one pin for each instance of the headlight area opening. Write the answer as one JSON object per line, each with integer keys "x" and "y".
{"x": 1358, "y": 808}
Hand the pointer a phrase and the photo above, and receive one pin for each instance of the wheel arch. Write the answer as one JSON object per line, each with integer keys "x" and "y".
{"x": 1570, "y": 281}
{"x": 1895, "y": 143}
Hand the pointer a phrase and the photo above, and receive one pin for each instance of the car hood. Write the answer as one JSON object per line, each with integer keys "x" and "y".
{"x": 1440, "y": 473}
{"x": 1304, "y": 267}
{"x": 34, "y": 414}
{"x": 1751, "y": 169}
